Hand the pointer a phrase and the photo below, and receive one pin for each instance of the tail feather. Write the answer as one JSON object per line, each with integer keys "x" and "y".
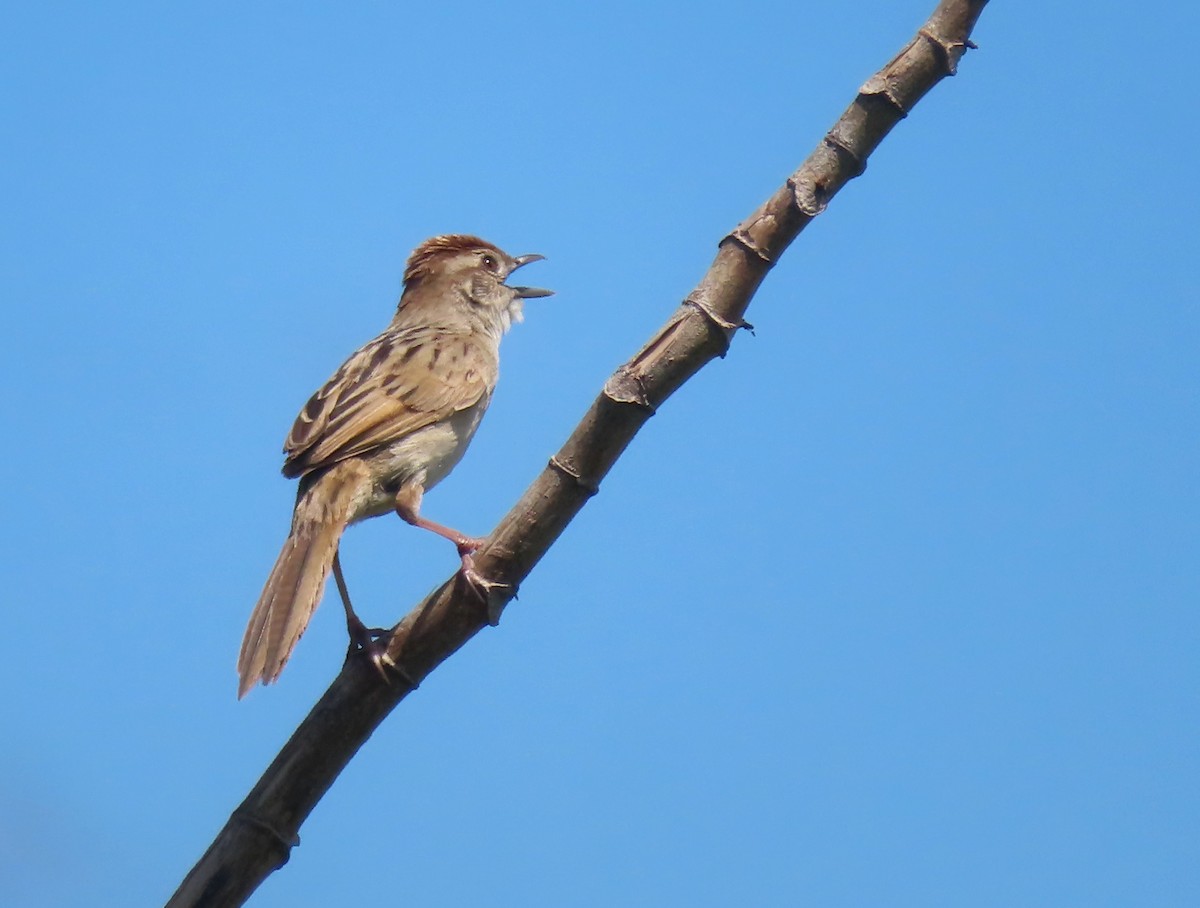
{"x": 287, "y": 602}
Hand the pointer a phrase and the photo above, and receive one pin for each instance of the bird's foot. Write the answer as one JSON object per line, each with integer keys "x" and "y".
{"x": 372, "y": 642}
{"x": 493, "y": 594}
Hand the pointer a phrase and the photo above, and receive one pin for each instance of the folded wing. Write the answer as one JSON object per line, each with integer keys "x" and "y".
{"x": 398, "y": 383}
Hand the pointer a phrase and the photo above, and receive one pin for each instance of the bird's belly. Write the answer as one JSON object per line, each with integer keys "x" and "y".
{"x": 427, "y": 456}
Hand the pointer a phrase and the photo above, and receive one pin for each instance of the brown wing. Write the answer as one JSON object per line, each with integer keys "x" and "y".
{"x": 400, "y": 382}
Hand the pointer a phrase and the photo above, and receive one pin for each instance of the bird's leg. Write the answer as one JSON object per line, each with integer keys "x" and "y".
{"x": 370, "y": 640}
{"x": 408, "y": 506}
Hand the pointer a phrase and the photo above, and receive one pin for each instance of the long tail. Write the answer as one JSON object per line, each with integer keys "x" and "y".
{"x": 291, "y": 593}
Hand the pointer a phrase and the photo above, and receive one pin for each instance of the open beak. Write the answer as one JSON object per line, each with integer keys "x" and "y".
{"x": 528, "y": 292}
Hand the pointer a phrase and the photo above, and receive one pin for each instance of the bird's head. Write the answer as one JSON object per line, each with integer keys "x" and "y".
{"x": 469, "y": 276}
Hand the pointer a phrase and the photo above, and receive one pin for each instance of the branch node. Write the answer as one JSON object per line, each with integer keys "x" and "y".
{"x": 724, "y": 327}
{"x": 945, "y": 50}
{"x": 878, "y": 86}
{"x": 809, "y": 196}
{"x": 586, "y": 486}
{"x": 746, "y": 241}
{"x": 854, "y": 163}
{"x": 497, "y": 600}
{"x": 244, "y": 816}
{"x": 623, "y": 387}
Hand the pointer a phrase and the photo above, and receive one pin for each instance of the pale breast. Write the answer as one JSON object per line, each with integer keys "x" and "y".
{"x": 425, "y": 456}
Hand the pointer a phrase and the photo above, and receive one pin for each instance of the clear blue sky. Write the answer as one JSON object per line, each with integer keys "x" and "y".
{"x": 896, "y": 605}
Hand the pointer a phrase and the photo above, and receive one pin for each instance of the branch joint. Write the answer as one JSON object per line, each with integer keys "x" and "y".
{"x": 584, "y": 485}
{"x": 948, "y": 52}
{"x": 743, "y": 238}
{"x": 244, "y": 816}
{"x": 855, "y": 163}
{"x": 724, "y": 327}
{"x": 878, "y": 86}
{"x": 625, "y": 387}
{"x": 810, "y": 197}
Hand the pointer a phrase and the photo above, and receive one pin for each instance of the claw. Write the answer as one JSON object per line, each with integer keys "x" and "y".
{"x": 371, "y": 642}
{"x": 492, "y": 593}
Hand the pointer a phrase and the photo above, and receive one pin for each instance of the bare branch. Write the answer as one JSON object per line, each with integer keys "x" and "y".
{"x": 260, "y": 834}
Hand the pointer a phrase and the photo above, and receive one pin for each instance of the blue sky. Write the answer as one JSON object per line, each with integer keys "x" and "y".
{"x": 895, "y": 605}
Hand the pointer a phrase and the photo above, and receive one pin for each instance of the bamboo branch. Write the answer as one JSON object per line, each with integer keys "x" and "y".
{"x": 259, "y": 835}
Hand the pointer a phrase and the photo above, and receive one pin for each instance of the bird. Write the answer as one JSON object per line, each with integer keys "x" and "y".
{"x": 389, "y": 425}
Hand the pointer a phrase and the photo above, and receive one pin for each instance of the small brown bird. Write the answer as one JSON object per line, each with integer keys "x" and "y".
{"x": 388, "y": 426}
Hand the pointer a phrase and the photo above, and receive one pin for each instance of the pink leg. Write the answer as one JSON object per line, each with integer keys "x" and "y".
{"x": 408, "y": 506}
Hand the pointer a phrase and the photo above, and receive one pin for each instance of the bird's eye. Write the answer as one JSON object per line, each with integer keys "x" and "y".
{"x": 489, "y": 262}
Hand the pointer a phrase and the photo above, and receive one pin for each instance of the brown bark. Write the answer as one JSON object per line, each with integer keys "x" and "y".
{"x": 261, "y": 832}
